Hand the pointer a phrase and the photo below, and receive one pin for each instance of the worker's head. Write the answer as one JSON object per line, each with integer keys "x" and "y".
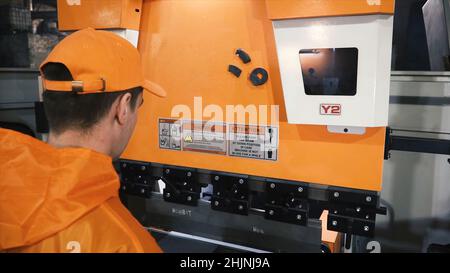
{"x": 114, "y": 112}
{"x": 93, "y": 84}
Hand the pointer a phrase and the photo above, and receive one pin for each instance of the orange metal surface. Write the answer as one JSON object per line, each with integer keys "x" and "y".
{"x": 186, "y": 48}
{"x": 284, "y": 9}
{"x": 99, "y": 14}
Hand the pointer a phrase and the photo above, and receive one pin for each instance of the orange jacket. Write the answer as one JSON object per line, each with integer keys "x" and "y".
{"x": 62, "y": 200}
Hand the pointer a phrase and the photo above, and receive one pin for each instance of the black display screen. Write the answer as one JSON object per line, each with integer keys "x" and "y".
{"x": 330, "y": 71}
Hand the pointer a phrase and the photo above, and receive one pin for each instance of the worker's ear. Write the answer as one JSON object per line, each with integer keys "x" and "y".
{"x": 123, "y": 108}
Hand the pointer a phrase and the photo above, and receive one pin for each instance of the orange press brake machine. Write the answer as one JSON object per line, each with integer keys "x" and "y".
{"x": 272, "y": 134}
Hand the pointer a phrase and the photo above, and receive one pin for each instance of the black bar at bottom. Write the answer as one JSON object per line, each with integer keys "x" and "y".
{"x": 419, "y": 145}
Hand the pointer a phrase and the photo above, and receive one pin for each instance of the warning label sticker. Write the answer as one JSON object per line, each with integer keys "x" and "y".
{"x": 248, "y": 141}
{"x": 170, "y": 134}
{"x": 200, "y": 136}
{"x": 258, "y": 142}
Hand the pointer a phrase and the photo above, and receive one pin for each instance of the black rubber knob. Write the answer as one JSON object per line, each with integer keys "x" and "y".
{"x": 259, "y": 76}
{"x": 243, "y": 56}
{"x": 234, "y": 70}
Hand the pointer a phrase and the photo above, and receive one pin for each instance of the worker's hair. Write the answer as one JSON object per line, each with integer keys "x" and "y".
{"x": 68, "y": 110}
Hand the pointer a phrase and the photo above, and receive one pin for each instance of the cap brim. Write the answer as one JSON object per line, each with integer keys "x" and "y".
{"x": 154, "y": 89}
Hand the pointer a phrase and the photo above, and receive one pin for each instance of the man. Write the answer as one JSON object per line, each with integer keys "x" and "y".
{"x": 62, "y": 196}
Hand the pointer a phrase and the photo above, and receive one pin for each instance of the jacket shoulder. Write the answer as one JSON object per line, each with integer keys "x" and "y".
{"x": 109, "y": 228}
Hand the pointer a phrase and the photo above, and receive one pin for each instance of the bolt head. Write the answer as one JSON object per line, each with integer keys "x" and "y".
{"x": 241, "y": 181}
{"x": 124, "y": 165}
{"x": 358, "y": 209}
{"x": 142, "y": 190}
{"x": 143, "y": 168}
{"x": 336, "y": 194}
{"x": 272, "y": 186}
{"x": 216, "y": 178}
{"x": 240, "y": 207}
{"x": 300, "y": 189}
{"x": 216, "y": 203}
{"x": 271, "y": 212}
{"x": 167, "y": 171}
{"x": 299, "y": 217}
{"x": 368, "y": 199}
{"x": 334, "y": 223}
{"x": 189, "y": 198}
{"x": 168, "y": 194}
{"x": 366, "y": 228}
{"x": 189, "y": 174}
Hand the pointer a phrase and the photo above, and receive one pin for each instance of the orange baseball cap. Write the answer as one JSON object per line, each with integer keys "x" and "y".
{"x": 99, "y": 61}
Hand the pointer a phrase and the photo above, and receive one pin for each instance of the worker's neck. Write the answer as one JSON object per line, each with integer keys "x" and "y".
{"x": 94, "y": 140}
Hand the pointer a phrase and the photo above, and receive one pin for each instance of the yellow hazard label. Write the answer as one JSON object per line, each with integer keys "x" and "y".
{"x": 188, "y": 139}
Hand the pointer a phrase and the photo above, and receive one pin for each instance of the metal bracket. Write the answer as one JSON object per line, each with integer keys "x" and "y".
{"x": 136, "y": 179}
{"x": 230, "y": 194}
{"x": 182, "y": 186}
{"x": 287, "y": 202}
{"x": 414, "y": 144}
{"x": 353, "y": 212}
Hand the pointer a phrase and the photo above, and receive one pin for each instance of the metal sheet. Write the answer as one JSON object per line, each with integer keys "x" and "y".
{"x": 251, "y": 231}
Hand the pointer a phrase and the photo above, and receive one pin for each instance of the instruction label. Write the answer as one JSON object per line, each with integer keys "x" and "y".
{"x": 249, "y": 141}
{"x": 238, "y": 140}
